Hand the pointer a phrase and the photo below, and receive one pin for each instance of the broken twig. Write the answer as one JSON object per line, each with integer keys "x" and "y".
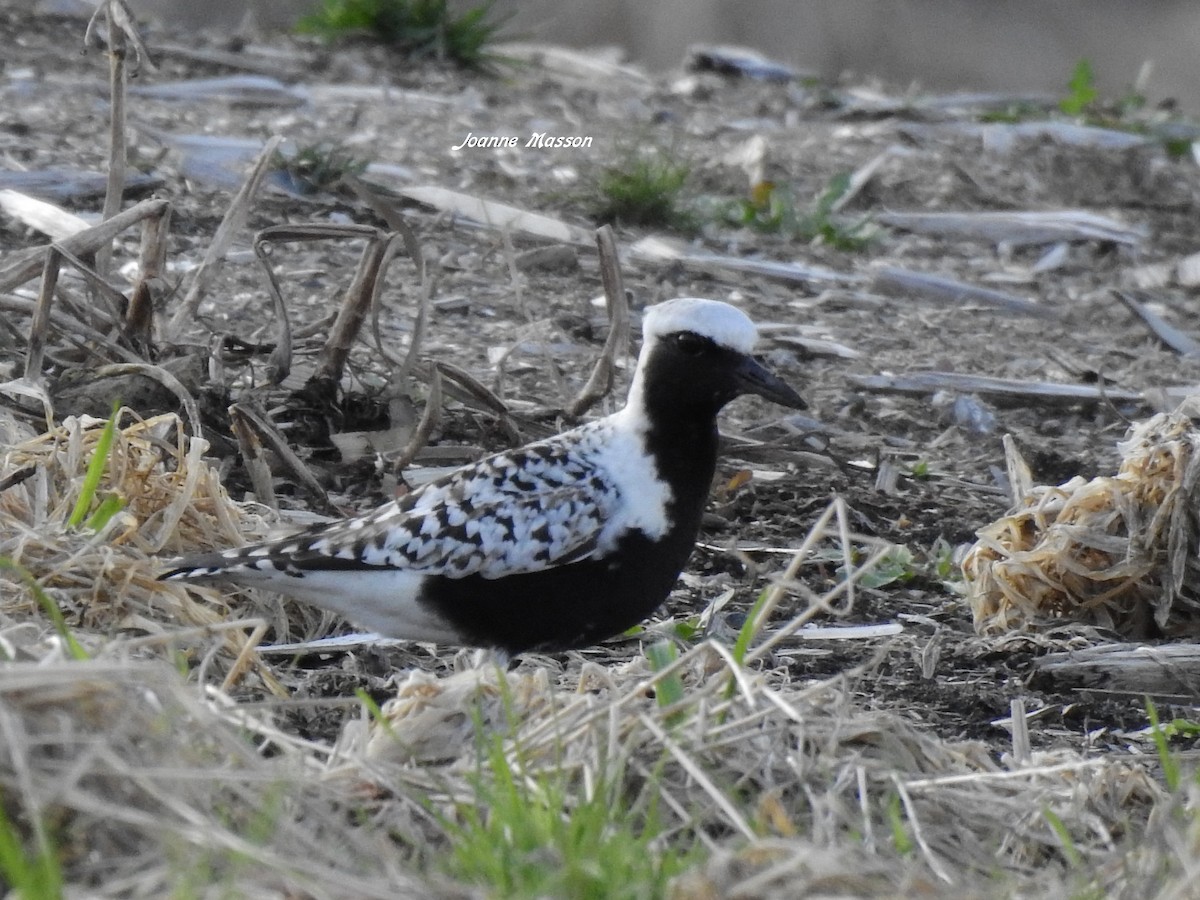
{"x": 893, "y": 281}
{"x": 1170, "y": 335}
{"x": 1012, "y": 388}
{"x": 235, "y": 218}
{"x": 601, "y": 380}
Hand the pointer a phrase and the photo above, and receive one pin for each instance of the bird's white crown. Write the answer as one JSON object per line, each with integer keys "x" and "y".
{"x": 724, "y": 324}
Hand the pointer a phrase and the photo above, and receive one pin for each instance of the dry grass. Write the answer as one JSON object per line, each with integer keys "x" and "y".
{"x": 148, "y": 786}
{"x": 144, "y": 778}
{"x": 146, "y": 783}
{"x": 1121, "y": 552}
{"x": 104, "y": 582}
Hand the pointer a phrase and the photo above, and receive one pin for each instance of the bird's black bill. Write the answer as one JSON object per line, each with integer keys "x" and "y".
{"x": 754, "y": 378}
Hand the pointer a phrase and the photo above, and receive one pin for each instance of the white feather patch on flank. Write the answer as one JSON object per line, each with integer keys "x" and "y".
{"x": 383, "y": 600}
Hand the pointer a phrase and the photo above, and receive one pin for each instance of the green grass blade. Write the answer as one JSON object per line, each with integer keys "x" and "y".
{"x": 375, "y": 711}
{"x": 900, "y": 837}
{"x": 16, "y": 868}
{"x": 30, "y": 876}
{"x": 670, "y": 689}
{"x": 750, "y": 628}
{"x": 1081, "y": 90}
{"x": 95, "y": 471}
{"x": 1167, "y": 759}
{"x": 1070, "y": 851}
{"x": 109, "y": 507}
{"x": 53, "y": 613}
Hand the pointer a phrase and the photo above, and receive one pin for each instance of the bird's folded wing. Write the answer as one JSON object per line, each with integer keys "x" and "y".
{"x": 506, "y": 535}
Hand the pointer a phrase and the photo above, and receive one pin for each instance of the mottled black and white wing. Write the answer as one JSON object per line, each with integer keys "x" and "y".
{"x": 517, "y": 512}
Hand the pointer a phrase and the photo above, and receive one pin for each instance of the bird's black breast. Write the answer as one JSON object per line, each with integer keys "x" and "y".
{"x": 563, "y": 607}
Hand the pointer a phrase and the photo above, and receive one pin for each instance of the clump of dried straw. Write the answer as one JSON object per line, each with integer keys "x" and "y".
{"x": 1118, "y": 551}
{"x": 104, "y": 581}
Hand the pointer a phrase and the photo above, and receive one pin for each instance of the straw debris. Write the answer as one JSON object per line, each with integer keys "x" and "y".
{"x": 147, "y": 787}
{"x": 771, "y": 778}
{"x": 170, "y": 501}
{"x": 1119, "y": 552}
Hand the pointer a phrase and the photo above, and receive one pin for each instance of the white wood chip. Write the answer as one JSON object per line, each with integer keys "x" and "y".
{"x": 53, "y": 221}
{"x": 1187, "y": 272}
{"x": 499, "y": 216}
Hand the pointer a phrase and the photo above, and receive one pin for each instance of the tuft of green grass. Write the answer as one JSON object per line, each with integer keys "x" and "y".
{"x": 199, "y": 870}
{"x": 772, "y": 210}
{"x": 902, "y": 564}
{"x": 898, "y": 565}
{"x": 49, "y": 607}
{"x": 27, "y": 873}
{"x": 1172, "y": 774}
{"x": 421, "y": 29}
{"x": 943, "y": 568}
{"x": 317, "y": 167}
{"x": 91, "y": 479}
{"x": 643, "y": 188}
{"x": 551, "y": 833}
{"x": 1019, "y": 111}
{"x": 1081, "y": 90}
{"x": 1128, "y": 112}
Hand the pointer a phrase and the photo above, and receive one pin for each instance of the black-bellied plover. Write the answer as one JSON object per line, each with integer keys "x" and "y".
{"x": 551, "y": 546}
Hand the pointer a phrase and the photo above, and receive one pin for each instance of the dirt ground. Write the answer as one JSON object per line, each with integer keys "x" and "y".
{"x": 813, "y": 135}
{"x": 492, "y": 298}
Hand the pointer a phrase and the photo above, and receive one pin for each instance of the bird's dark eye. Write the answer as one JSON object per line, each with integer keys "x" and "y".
{"x": 690, "y": 343}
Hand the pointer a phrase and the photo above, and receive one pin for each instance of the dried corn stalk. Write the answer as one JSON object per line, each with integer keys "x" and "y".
{"x": 1119, "y": 552}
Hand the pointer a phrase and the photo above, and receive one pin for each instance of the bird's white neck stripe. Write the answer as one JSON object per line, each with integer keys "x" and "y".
{"x": 625, "y": 457}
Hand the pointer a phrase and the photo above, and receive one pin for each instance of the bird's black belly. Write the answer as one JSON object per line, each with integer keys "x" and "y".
{"x": 563, "y": 607}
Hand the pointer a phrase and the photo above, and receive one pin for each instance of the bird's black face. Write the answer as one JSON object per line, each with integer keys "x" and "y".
{"x": 688, "y": 371}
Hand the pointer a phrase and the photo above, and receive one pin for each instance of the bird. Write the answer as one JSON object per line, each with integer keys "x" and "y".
{"x": 554, "y": 546}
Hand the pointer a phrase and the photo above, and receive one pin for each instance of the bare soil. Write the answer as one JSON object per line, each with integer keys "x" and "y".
{"x": 938, "y": 674}
{"x": 56, "y": 114}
